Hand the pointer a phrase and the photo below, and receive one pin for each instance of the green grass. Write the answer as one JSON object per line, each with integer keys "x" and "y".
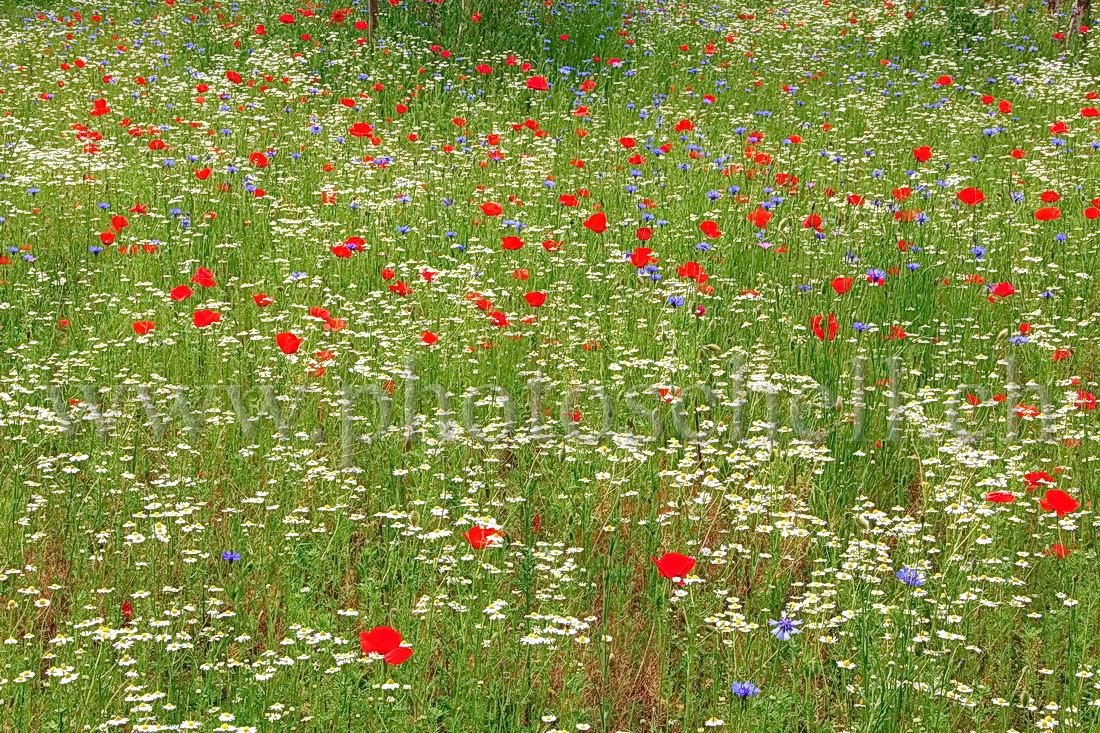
{"x": 601, "y": 430}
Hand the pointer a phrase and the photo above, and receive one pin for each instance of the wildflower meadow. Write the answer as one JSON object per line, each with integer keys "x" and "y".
{"x": 492, "y": 366}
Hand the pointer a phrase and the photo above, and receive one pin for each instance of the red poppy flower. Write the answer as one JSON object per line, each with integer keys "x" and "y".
{"x": 511, "y": 243}
{"x": 760, "y": 218}
{"x": 1002, "y": 290}
{"x": 842, "y": 284}
{"x": 143, "y": 327}
{"x": 971, "y": 196}
{"x": 360, "y": 129}
{"x": 819, "y": 331}
{"x": 288, "y": 343}
{"x": 813, "y": 221}
{"x": 1085, "y": 401}
{"x": 538, "y": 83}
{"x": 429, "y": 338}
{"x": 535, "y": 299}
{"x": 1058, "y": 501}
{"x": 180, "y": 292}
{"x": 597, "y": 222}
{"x": 944, "y": 81}
{"x": 263, "y": 300}
{"x": 384, "y": 641}
{"x": 710, "y": 229}
{"x": 673, "y": 565}
{"x": 1061, "y": 354}
{"x": 1035, "y": 479}
{"x": 922, "y": 154}
{"x": 482, "y": 537}
{"x": 1000, "y": 497}
{"x": 490, "y": 208}
{"x": 1059, "y": 551}
{"x": 690, "y": 270}
{"x": 203, "y": 318}
{"x": 640, "y": 257}
{"x": 1048, "y": 213}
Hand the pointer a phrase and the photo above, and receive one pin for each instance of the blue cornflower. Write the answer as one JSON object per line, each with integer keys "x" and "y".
{"x": 859, "y": 326}
{"x": 1019, "y": 340}
{"x": 676, "y": 301}
{"x": 912, "y": 577}
{"x": 978, "y": 252}
{"x": 785, "y": 627}
{"x": 230, "y": 556}
{"x": 745, "y": 689}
